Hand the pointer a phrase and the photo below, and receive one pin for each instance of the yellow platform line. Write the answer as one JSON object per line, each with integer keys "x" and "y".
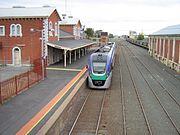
{"x": 31, "y": 124}
{"x": 64, "y": 69}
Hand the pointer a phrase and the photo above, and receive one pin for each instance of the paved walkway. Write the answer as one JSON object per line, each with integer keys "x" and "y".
{"x": 20, "y": 109}
{"x": 10, "y": 71}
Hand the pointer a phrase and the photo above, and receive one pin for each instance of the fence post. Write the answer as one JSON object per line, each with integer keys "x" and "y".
{"x": 1, "y": 99}
{"x": 16, "y": 85}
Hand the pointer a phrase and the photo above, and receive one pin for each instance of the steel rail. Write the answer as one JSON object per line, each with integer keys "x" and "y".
{"x": 139, "y": 99}
{"x": 122, "y": 99}
{"x": 169, "y": 73}
{"x": 158, "y": 100}
{"x": 175, "y": 100}
{"x": 72, "y": 128}
{"x": 100, "y": 114}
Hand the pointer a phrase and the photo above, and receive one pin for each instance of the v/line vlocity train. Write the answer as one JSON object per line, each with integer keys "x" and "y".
{"x": 100, "y": 67}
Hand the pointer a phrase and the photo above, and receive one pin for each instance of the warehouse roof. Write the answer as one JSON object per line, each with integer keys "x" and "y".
{"x": 170, "y": 30}
{"x": 26, "y": 12}
{"x": 72, "y": 44}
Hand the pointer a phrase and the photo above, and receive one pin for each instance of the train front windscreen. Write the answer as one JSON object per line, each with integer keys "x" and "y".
{"x": 99, "y": 63}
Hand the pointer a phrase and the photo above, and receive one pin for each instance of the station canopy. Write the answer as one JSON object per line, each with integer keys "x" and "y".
{"x": 70, "y": 44}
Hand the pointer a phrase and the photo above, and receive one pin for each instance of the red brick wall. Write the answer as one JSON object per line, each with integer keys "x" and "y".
{"x": 54, "y": 18}
{"x": 171, "y": 50}
{"x": 161, "y": 53}
{"x": 166, "y": 48}
{"x": 67, "y": 28}
{"x": 29, "y": 42}
{"x": 177, "y": 46}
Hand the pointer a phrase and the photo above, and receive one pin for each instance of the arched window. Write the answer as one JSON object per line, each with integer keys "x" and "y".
{"x": 18, "y": 30}
{"x": 15, "y": 30}
{"x": 50, "y": 29}
{"x": 50, "y": 25}
{"x": 12, "y": 30}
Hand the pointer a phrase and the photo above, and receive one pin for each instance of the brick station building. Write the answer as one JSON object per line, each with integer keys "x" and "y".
{"x": 31, "y": 33}
{"x": 24, "y": 33}
{"x": 164, "y": 45}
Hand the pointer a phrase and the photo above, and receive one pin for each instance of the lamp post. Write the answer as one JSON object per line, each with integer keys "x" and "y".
{"x": 42, "y": 49}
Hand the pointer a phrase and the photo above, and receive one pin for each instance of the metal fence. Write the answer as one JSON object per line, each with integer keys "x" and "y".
{"x": 21, "y": 82}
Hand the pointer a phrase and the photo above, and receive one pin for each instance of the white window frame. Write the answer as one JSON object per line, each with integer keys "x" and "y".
{"x": 3, "y": 33}
{"x": 11, "y": 32}
{"x": 20, "y": 30}
{"x": 15, "y": 34}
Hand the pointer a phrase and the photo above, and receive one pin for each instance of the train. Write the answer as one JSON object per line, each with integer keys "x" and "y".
{"x": 100, "y": 66}
{"x": 141, "y": 43}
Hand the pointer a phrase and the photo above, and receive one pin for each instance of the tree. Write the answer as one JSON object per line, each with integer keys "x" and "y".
{"x": 89, "y": 32}
{"x": 111, "y": 35}
{"x": 140, "y": 36}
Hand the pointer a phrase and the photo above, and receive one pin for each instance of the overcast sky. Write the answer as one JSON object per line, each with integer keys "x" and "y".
{"x": 114, "y": 16}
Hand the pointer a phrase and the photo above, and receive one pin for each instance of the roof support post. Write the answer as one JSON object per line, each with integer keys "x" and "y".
{"x": 65, "y": 51}
{"x": 69, "y": 57}
{"x": 82, "y": 52}
{"x": 79, "y": 53}
{"x": 74, "y": 55}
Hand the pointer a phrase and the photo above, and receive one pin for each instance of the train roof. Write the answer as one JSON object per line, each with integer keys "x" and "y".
{"x": 106, "y": 48}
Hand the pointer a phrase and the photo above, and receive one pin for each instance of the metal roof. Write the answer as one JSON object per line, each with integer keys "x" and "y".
{"x": 26, "y": 12}
{"x": 71, "y": 44}
{"x": 69, "y": 21}
{"x": 170, "y": 30}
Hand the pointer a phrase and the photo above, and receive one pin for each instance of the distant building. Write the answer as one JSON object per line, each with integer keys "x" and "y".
{"x": 164, "y": 45}
{"x": 133, "y": 34}
{"x": 71, "y": 25}
{"x": 104, "y": 38}
{"x": 98, "y": 33}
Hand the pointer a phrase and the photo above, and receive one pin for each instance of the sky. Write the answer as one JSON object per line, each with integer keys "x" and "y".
{"x": 113, "y": 16}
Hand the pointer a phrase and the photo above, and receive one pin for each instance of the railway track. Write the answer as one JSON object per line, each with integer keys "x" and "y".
{"x": 138, "y": 97}
{"x": 153, "y": 91}
{"x": 122, "y": 99}
{"x": 152, "y": 74}
{"x": 167, "y": 71}
{"x": 89, "y": 116}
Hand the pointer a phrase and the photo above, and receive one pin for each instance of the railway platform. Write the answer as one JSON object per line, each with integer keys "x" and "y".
{"x": 16, "y": 112}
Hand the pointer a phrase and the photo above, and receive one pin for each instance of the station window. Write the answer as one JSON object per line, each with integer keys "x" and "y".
{"x": 50, "y": 29}
{"x": 15, "y": 30}
{"x": 2, "y": 30}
